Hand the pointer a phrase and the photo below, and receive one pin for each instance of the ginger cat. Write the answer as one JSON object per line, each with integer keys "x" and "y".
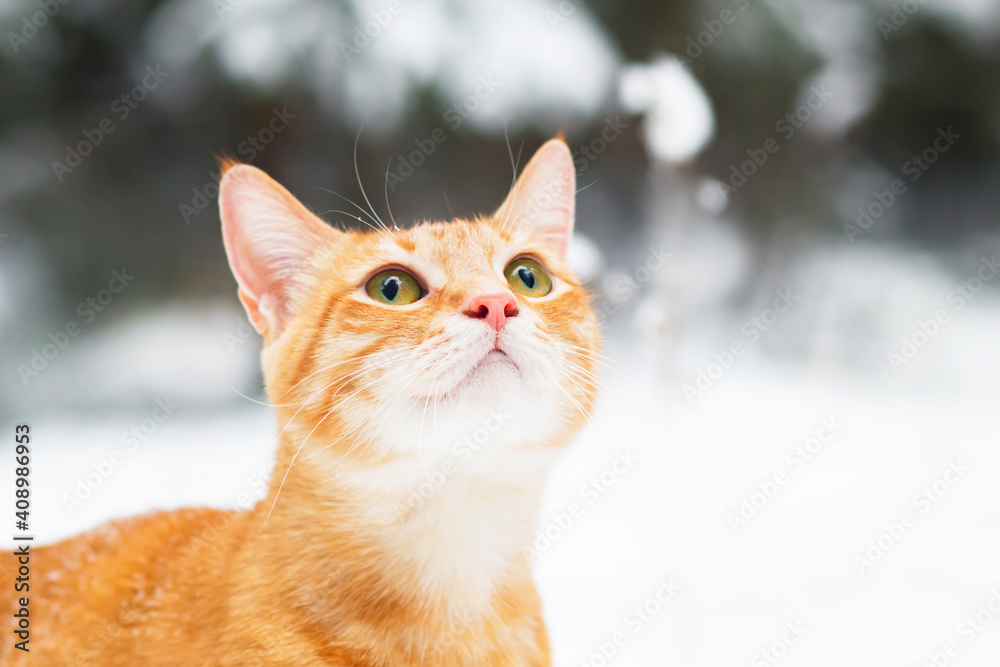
{"x": 424, "y": 380}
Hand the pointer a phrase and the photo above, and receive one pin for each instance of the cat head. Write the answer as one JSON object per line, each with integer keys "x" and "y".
{"x": 412, "y": 340}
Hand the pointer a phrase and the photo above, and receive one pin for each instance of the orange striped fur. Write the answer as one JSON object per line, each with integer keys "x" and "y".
{"x": 357, "y": 555}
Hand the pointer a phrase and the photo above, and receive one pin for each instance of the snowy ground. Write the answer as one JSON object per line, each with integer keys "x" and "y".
{"x": 788, "y": 579}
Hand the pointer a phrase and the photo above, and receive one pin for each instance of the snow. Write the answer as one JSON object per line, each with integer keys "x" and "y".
{"x": 793, "y": 561}
{"x": 853, "y": 74}
{"x": 175, "y": 351}
{"x": 559, "y": 69}
{"x": 192, "y": 458}
{"x": 845, "y": 547}
{"x": 979, "y": 19}
{"x": 679, "y": 121}
{"x": 664, "y": 519}
{"x": 584, "y": 257}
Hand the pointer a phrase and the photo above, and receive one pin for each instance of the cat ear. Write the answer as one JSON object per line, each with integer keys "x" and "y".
{"x": 543, "y": 198}
{"x": 269, "y": 237}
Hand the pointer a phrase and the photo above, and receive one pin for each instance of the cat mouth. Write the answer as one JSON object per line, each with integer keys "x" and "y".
{"x": 494, "y": 363}
{"x": 496, "y": 358}
{"x": 496, "y": 355}
{"x": 499, "y": 354}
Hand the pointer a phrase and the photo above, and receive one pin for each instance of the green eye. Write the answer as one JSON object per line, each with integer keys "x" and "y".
{"x": 528, "y": 277}
{"x": 395, "y": 287}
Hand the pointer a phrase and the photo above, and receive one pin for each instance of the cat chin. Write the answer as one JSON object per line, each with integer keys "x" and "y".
{"x": 497, "y": 384}
{"x": 491, "y": 412}
{"x": 494, "y": 376}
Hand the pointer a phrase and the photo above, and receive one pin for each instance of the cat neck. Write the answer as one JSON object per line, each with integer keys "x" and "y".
{"x": 444, "y": 543}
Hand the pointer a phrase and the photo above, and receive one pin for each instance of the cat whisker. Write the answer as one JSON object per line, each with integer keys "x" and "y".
{"x": 510, "y": 152}
{"x": 574, "y": 401}
{"x": 357, "y": 173}
{"x": 592, "y": 372}
{"x": 343, "y": 400}
{"x": 599, "y": 358}
{"x": 387, "y": 206}
{"x": 588, "y": 375}
{"x": 420, "y": 432}
{"x": 346, "y": 380}
{"x": 574, "y": 355}
{"x": 388, "y": 408}
{"x": 439, "y": 492}
{"x": 299, "y": 450}
{"x": 357, "y": 441}
{"x": 447, "y": 203}
{"x": 351, "y": 202}
{"x": 409, "y": 380}
{"x": 351, "y": 215}
{"x": 346, "y": 361}
{"x": 587, "y": 387}
{"x": 342, "y": 379}
{"x": 513, "y": 185}
{"x": 254, "y": 400}
{"x": 291, "y": 462}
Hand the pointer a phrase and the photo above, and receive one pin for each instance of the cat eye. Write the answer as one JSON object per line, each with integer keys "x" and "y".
{"x": 526, "y": 276}
{"x": 395, "y": 287}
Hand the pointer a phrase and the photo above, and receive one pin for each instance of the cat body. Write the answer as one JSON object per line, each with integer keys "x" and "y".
{"x": 424, "y": 380}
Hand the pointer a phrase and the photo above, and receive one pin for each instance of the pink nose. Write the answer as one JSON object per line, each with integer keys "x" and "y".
{"x": 494, "y": 307}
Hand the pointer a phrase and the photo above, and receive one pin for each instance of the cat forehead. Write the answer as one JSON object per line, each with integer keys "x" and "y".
{"x": 443, "y": 250}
